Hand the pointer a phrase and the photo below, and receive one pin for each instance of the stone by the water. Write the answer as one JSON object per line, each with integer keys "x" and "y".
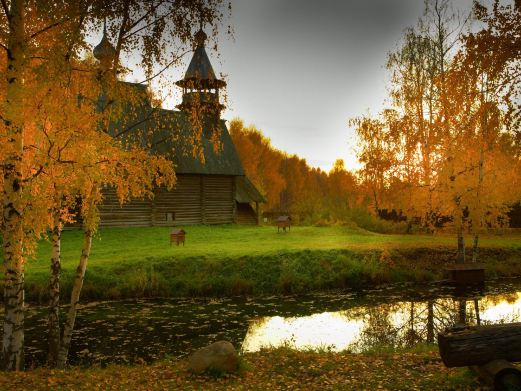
{"x": 220, "y": 356}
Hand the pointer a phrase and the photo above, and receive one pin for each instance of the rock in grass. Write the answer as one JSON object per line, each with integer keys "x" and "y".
{"x": 220, "y": 356}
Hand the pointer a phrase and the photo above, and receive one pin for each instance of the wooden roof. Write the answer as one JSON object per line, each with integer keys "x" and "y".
{"x": 246, "y": 191}
{"x": 200, "y": 74}
{"x": 170, "y": 133}
{"x": 176, "y": 140}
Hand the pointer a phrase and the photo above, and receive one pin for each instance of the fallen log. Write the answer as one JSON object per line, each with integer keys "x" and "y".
{"x": 479, "y": 345}
{"x": 501, "y": 374}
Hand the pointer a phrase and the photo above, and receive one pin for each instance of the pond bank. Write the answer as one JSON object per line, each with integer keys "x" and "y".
{"x": 281, "y": 272}
{"x": 280, "y": 369}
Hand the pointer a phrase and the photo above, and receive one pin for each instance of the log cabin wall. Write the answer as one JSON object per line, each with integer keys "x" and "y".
{"x": 180, "y": 206}
{"x": 196, "y": 199}
{"x": 218, "y": 196}
{"x": 133, "y": 214}
{"x": 246, "y": 215}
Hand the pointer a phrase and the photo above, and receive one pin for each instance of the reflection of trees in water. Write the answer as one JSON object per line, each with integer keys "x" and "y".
{"x": 399, "y": 325}
{"x": 406, "y": 324}
{"x": 379, "y": 330}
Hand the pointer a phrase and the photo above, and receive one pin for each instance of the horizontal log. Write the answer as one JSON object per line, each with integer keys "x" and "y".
{"x": 500, "y": 374}
{"x": 479, "y": 345}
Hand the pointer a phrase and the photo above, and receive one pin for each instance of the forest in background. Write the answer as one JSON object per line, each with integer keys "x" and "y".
{"x": 308, "y": 194}
{"x": 445, "y": 151}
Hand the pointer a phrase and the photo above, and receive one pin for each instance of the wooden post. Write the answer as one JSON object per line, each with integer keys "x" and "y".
{"x": 257, "y": 210}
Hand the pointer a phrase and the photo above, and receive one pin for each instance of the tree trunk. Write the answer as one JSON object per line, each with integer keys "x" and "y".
{"x": 75, "y": 297}
{"x": 462, "y": 312}
{"x": 430, "y": 321}
{"x": 461, "y": 245}
{"x": 54, "y": 298}
{"x": 13, "y": 335}
{"x": 476, "y": 310}
{"x": 475, "y": 248}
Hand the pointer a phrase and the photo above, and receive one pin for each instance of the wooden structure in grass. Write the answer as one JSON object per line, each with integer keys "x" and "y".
{"x": 177, "y": 236}
{"x": 283, "y": 222}
{"x": 462, "y": 274}
{"x": 211, "y": 184}
{"x": 487, "y": 349}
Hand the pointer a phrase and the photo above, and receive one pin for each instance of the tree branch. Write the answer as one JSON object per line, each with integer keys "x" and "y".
{"x": 176, "y": 58}
{"x": 6, "y": 11}
{"x": 129, "y": 33}
{"x": 148, "y": 117}
{"x": 47, "y": 28}
{"x": 139, "y": 20}
{"x": 35, "y": 175}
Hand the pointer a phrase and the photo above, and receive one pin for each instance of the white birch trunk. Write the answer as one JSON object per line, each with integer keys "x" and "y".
{"x": 75, "y": 297}
{"x": 54, "y": 297}
{"x": 12, "y": 229}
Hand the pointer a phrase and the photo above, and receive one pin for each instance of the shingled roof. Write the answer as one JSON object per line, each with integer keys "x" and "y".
{"x": 247, "y": 192}
{"x": 175, "y": 139}
{"x": 170, "y": 133}
{"x": 200, "y": 72}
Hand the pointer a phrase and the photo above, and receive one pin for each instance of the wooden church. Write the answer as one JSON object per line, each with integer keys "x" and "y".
{"x": 210, "y": 189}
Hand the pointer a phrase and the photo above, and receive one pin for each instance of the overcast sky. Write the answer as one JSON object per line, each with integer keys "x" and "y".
{"x": 299, "y": 69}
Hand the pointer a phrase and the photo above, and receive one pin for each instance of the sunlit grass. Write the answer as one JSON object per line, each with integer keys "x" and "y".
{"x": 133, "y": 245}
{"x": 230, "y": 259}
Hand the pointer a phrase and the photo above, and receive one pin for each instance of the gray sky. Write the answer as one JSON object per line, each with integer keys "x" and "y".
{"x": 299, "y": 69}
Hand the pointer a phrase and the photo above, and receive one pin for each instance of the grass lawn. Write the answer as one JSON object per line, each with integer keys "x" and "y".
{"x": 280, "y": 369}
{"x": 231, "y": 259}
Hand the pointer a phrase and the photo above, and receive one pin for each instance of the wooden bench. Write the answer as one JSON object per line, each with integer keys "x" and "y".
{"x": 283, "y": 222}
{"x": 466, "y": 273}
{"x": 489, "y": 350}
{"x": 178, "y": 236}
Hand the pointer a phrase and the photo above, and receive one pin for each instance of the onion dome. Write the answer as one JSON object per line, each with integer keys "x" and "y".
{"x": 200, "y": 74}
{"x": 104, "y": 51}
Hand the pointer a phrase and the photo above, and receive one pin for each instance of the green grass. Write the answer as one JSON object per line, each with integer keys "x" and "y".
{"x": 227, "y": 260}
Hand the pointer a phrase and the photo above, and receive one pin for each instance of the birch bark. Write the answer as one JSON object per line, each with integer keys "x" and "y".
{"x": 54, "y": 296}
{"x": 12, "y": 200}
{"x": 75, "y": 298}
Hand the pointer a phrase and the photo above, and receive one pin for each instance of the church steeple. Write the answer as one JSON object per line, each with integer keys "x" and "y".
{"x": 200, "y": 85}
{"x": 104, "y": 52}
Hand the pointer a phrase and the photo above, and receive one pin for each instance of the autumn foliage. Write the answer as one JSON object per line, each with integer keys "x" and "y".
{"x": 446, "y": 153}
{"x": 57, "y": 109}
{"x": 290, "y": 185}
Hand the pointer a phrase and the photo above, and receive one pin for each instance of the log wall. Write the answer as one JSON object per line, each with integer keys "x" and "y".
{"x": 196, "y": 199}
{"x": 183, "y": 203}
{"x": 219, "y": 199}
{"x": 133, "y": 214}
{"x": 246, "y": 215}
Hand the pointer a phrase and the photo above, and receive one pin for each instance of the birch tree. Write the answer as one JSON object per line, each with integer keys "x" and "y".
{"x": 42, "y": 41}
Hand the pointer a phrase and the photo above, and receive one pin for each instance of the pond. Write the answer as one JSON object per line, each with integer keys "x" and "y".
{"x": 136, "y": 331}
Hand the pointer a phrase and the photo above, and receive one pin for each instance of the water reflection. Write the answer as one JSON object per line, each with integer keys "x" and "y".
{"x": 399, "y": 324}
{"x": 146, "y": 330}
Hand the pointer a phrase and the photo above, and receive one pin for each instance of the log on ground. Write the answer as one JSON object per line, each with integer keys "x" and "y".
{"x": 478, "y": 345}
